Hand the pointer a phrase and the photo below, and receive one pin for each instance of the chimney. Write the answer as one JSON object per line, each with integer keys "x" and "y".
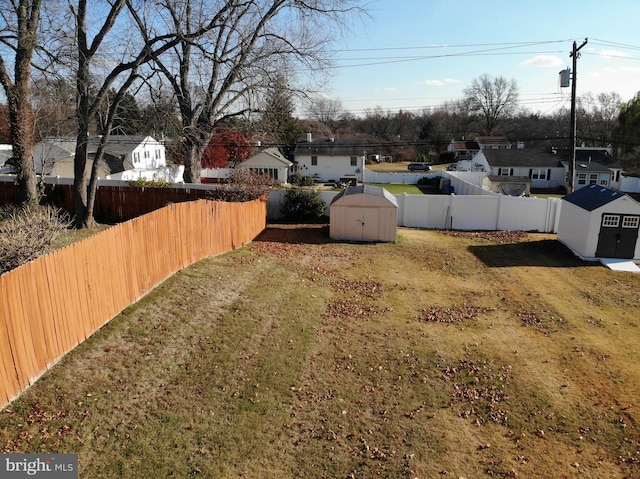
{"x": 309, "y": 138}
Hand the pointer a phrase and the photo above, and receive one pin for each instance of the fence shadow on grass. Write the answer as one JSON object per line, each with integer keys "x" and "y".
{"x": 547, "y": 253}
{"x": 295, "y": 233}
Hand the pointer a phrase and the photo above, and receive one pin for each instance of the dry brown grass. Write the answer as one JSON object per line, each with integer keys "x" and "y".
{"x": 442, "y": 355}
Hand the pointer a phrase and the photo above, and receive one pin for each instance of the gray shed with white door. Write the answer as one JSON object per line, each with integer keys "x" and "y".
{"x": 598, "y": 222}
{"x": 364, "y": 213}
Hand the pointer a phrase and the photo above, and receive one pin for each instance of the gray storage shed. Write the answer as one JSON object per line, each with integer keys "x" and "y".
{"x": 364, "y": 213}
{"x": 597, "y": 222}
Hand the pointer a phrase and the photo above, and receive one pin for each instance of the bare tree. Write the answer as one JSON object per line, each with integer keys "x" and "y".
{"x": 493, "y": 98}
{"x": 18, "y": 31}
{"x": 597, "y": 117}
{"x": 244, "y": 45}
{"x": 328, "y": 111}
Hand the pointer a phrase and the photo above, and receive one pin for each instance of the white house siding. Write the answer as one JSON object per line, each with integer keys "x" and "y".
{"x": 148, "y": 154}
{"x": 330, "y": 168}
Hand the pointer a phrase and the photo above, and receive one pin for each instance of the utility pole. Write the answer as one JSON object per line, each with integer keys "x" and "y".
{"x": 572, "y": 162}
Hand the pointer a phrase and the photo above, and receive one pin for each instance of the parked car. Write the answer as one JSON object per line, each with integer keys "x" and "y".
{"x": 452, "y": 167}
{"x": 418, "y": 167}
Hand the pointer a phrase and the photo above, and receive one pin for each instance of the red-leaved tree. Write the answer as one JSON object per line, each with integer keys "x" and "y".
{"x": 226, "y": 148}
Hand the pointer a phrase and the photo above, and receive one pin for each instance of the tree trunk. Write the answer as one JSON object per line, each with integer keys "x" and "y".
{"x": 192, "y": 167}
{"x": 79, "y": 179}
{"x": 17, "y": 90}
{"x": 22, "y": 139}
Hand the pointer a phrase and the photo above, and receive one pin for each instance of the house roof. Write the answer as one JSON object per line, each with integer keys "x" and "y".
{"x": 592, "y": 197}
{"x": 272, "y": 153}
{"x": 121, "y": 144}
{"x": 331, "y": 147}
{"x": 491, "y": 141}
{"x": 462, "y": 145}
{"x": 533, "y": 158}
{"x": 366, "y": 190}
{"x": 585, "y": 159}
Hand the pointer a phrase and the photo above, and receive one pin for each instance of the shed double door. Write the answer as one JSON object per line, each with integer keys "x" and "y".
{"x": 363, "y": 223}
{"x": 618, "y": 236}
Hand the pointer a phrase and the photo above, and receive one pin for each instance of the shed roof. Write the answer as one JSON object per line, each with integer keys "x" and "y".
{"x": 592, "y": 197}
{"x": 366, "y": 190}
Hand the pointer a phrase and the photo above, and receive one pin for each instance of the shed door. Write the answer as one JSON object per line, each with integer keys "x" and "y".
{"x": 363, "y": 223}
{"x": 618, "y": 236}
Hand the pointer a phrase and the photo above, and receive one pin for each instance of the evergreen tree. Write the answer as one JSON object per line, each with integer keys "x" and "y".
{"x": 278, "y": 124}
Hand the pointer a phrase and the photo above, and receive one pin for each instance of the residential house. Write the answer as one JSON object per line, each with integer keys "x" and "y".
{"x": 543, "y": 167}
{"x": 464, "y": 150}
{"x": 549, "y": 169}
{"x": 594, "y": 166}
{"x": 55, "y": 156}
{"x": 270, "y": 162}
{"x": 331, "y": 159}
{"x": 493, "y": 142}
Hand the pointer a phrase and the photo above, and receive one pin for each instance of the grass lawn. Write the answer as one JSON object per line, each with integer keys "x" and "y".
{"x": 399, "y": 189}
{"x": 442, "y": 355}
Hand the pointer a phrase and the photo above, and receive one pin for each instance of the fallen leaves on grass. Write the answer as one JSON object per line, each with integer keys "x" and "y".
{"x": 349, "y": 307}
{"x": 455, "y": 314}
{"x": 479, "y": 388}
{"x": 369, "y": 289}
{"x": 499, "y": 237}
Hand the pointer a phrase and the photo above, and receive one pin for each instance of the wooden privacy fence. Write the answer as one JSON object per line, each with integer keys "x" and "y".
{"x": 112, "y": 202}
{"x": 50, "y": 305}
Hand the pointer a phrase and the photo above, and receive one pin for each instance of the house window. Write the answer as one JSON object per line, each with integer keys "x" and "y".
{"x": 314, "y": 161}
{"x": 157, "y": 154}
{"x": 504, "y": 171}
{"x": 604, "y": 182}
{"x": 538, "y": 174}
{"x": 582, "y": 178}
{"x": 146, "y": 154}
{"x": 354, "y": 161}
{"x": 593, "y": 179}
{"x": 631, "y": 222}
{"x": 136, "y": 157}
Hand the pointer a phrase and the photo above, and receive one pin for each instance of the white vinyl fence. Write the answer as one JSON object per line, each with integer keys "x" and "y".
{"x": 630, "y": 184}
{"x": 461, "y": 212}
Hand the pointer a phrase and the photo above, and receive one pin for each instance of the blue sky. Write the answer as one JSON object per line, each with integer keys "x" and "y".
{"x": 416, "y": 53}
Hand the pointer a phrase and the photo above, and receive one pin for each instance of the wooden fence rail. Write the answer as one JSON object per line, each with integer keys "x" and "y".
{"x": 50, "y": 305}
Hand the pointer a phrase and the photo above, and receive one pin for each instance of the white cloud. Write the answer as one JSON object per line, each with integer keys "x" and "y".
{"x": 614, "y": 53}
{"x": 542, "y": 61}
{"x": 439, "y": 83}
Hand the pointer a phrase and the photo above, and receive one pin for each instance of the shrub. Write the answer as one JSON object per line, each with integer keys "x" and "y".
{"x": 28, "y": 232}
{"x": 298, "y": 180}
{"x": 243, "y": 184}
{"x": 154, "y": 183}
{"x": 301, "y": 204}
